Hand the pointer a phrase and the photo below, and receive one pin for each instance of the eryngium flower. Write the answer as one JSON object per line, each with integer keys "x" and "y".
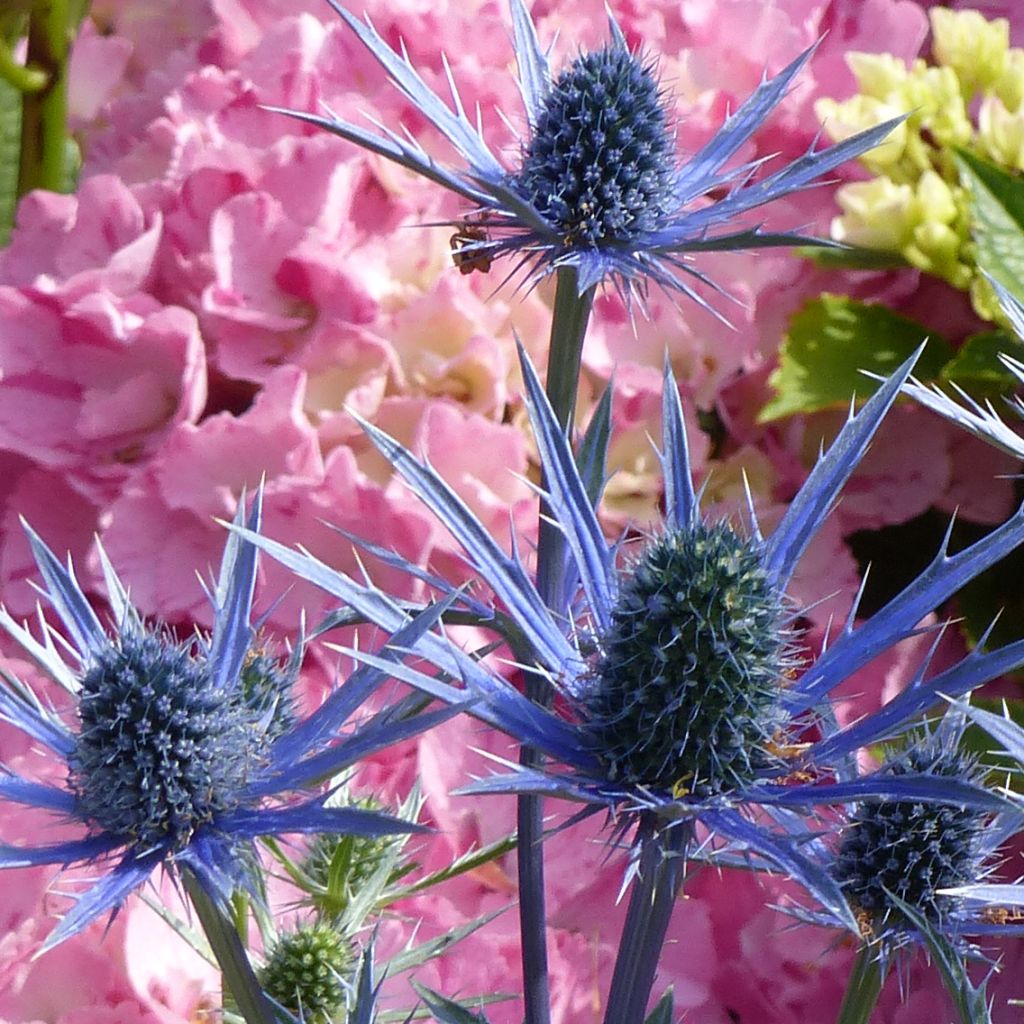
{"x": 675, "y": 667}
{"x": 306, "y": 972}
{"x": 906, "y": 853}
{"x": 916, "y": 872}
{"x": 174, "y": 755}
{"x": 598, "y": 185}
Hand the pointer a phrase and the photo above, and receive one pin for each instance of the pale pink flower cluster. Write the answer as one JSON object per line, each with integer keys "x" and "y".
{"x": 226, "y": 286}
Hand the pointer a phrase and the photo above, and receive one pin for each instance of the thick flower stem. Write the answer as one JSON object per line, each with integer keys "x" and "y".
{"x": 568, "y": 329}
{"x": 660, "y": 875}
{"x": 862, "y": 989}
{"x": 239, "y": 977}
{"x": 43, "y": 161}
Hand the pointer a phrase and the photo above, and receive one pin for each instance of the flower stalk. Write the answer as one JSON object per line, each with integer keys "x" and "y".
{"x": 863, "y": 987}
{"x": 43, "y": 162}
{"x": 227, "y": 946}
{"x": 569, "y": 321}
{"x": 660, "y": 874}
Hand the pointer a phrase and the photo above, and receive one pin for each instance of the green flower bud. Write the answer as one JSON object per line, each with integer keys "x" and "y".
{"x": 304, "y": 973}
{"x": 1001, "y": 134}
{"x": 973, "y": 47}
{"x": 879, "y": 75}
{"x": 1010, "y": 87}
{"x": 877, "y": 214}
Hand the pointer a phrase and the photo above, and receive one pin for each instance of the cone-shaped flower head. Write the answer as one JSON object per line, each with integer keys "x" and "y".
{"x": 686, "y": 693}
{"x": 906, "y": 853}
{"x": 306, "y": 972}
{"x": 160, "y": 751}
{"x": 598, "y": 186}
{"x": 600, "y": 162}
{"x": 172, "y": 750}
{"x": 915, "y": 871}
{"x": 681, "y": 698}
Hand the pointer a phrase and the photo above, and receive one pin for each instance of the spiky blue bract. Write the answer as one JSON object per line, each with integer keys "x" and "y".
{"x": 681, "y": 693}
{"x": 598, "y": 186}
{"x": 981, "y": 419}
{"x": 173, "y": 749}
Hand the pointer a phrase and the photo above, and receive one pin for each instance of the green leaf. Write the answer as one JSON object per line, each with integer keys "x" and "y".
{"x": 662, "y": 1012}
{"x": 415, "y": 956}
{"x": 446, "y": 1010}
{"x": 468, "y": 861}
{"x": 977, "y": 369}
{"x": 831, "y": 340}
{"x": 997, "y": 219}
{"x": 971, "y": 1002}
{"x": 851, "y": 257}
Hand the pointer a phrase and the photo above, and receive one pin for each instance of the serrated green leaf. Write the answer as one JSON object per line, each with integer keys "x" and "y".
{"x": 851, "y": 257}
{"x": 445, "y": 1010}
{"x": 662, "y": 1012}
{"x": 414, "y": 957}
{"x": 469, "y": 861}
{"x": 997, "y": 219}
{"x": 976, "y": 367}
{"x": 970, "y": 1001}
{"x": 831, "y": 340}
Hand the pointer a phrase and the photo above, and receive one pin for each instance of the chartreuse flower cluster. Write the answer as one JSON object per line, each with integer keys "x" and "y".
{"x": 178, "y": 754}
{"x": 598, "y": 186}
{"x": 682, "y": 698}
{"x": 970, "y": 96}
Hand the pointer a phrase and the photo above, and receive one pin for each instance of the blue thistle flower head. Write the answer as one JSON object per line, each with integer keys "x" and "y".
{"x": 682, "y": 697}
{"x": 916, "y": 871}
{"x": 600, "y": 161}
{"x": 898, "y": 854}
{"x": 159, "y": 751}
{"x": 686, "y": 692}
{"x": 177, "y": 753}
{"x": 598, "y": 186}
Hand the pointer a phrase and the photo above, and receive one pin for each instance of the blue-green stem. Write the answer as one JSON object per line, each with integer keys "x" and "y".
{"x": 43, "y": 163}
{"x": 863, "y": 988}
{"x": 660, "y": 874}
{"x": 222, "y": 934}
{"x": 568, "y": 329}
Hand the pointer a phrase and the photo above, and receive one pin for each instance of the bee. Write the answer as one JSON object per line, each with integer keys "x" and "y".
{"x": 1002, "y": 915}
{"x": 466, "y": 254}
